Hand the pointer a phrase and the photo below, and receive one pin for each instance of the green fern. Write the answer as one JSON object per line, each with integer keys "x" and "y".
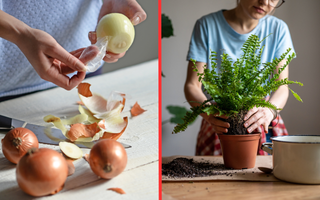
{"x": 239, "y": 85}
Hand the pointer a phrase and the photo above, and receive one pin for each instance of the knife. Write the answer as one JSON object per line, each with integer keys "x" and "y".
{"x": 7, "y": 123}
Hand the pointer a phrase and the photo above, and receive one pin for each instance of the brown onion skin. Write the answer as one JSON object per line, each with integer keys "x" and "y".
{"x": 41, "y": 172}
{"x": 108, "y": 158}
{"x": 17, "y": 142}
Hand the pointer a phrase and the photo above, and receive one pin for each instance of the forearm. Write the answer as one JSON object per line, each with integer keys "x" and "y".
{"x": 280, "y": 96}
{"x": 11, "y": 28}
{"x": 192, "y": 87}
{"x": 194, "y": 94}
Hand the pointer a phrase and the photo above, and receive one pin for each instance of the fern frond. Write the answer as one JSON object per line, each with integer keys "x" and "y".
{"x": 190, "y": 117}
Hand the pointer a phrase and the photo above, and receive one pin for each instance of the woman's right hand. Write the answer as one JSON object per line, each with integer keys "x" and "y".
{"x": 50, "y": 60}
{"x": 218, "y": 125}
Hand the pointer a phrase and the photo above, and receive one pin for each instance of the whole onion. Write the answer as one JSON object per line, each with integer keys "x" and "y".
{"x": 41, "y": 172}
{"x": 17, "y": 142}
{"x": 107, "y": 158}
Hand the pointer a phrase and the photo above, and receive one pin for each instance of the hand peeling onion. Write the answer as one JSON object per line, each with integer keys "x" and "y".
{"x": 70, "y": 150}
{"x": 118, "y": 30}
{"x": 41, "y": 172}
{"x": 17, "y": 142}
{"x": 107, "y": 158}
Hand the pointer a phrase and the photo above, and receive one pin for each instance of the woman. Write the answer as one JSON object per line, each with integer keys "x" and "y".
{"x": 37, "y": 36}
{"x": 227, "y": 30}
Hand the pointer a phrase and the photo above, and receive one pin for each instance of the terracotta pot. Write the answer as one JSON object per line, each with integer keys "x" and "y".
{"x": 239, "y": 151}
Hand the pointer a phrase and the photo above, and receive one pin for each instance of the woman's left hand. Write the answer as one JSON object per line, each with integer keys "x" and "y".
{"x": 257, "y": 117}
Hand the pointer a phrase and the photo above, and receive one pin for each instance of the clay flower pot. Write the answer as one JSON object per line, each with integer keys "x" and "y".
{"x": 239, "y": 151}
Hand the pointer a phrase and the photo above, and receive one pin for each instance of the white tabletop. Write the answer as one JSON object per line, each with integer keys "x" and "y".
{"x": 140, "y": 179}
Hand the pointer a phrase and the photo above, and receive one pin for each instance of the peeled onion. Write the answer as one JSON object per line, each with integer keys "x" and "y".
{"x": 108, "y": 158}
{"x": 41, "y": 172}
{"x": 119, "y": 31}
{"x": 17, "y": 142}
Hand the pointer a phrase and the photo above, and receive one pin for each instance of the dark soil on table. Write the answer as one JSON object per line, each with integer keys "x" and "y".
{"x": 183, "y": 167}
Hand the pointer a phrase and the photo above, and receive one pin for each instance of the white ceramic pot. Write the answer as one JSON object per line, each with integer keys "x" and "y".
{"x": 295, "y": 158}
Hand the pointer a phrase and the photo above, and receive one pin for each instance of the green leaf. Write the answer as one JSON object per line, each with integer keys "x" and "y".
{"x": 166, "y": 27}
{"x": 296, "y": 95}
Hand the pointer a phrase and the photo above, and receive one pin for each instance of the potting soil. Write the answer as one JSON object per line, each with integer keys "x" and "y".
{"x": 184, "y": 167}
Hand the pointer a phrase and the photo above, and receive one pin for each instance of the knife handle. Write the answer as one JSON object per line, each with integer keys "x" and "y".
{"x": 5, "y": 123}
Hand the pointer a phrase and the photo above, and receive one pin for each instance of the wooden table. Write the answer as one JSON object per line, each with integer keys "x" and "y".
{"x": 140, "y": 179}
{"x": 229, "y": 190}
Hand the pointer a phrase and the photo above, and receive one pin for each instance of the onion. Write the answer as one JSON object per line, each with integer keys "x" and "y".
{"x": 107, "y": 158}
{"x": 17, "y": 142}
{"x": 119, "y": 32}
{"x": 41, "y": 172}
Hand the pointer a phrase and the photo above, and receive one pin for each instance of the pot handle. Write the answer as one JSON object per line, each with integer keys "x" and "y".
{"x": 267, "y": 147}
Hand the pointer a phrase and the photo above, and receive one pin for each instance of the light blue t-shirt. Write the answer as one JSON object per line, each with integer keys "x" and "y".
{"x": 68, "y": 21}
{"x": 212, "y": 32}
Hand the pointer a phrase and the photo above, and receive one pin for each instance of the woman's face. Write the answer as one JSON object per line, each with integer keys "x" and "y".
{"x": 256, "y": 9}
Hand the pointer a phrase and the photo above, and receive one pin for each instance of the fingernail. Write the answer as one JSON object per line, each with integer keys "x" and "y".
{"x": 108, "y": 56}
{"x": 92, "y": 35}
{"x": 136, "y": 20}
{"x": 82, "y": 69}
{"x": 245, "y": 125}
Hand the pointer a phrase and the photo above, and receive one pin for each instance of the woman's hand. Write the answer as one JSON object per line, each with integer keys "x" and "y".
{"x": 219, "y": 126}
{"x": 129, "y": 8}
{"x": 257, "y": 117}
{"x": 51, "y": 61}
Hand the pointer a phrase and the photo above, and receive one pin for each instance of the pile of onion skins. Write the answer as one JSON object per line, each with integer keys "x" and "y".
{"x": 99, "y": 118}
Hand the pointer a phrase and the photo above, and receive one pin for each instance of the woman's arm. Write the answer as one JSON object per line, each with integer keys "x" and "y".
{"x": 48, "y": 58}
{"x": 194, "y": 94}
{"x": 263, "y": 116}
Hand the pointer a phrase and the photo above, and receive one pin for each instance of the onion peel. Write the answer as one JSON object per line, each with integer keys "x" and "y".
{"x": 114, "y": 136}
{"x": 83, "y": 89}
{"x": 57, "y": 123}
{"x": 136, "y": 110}
{"x": 91, "y": 118}
{"x": 71, "y": 167}
{"x": 81, "y": 130}
{"x": 117, "y": 190}
{"x": 75, "y": 120}
{"x": 86, "y": 157}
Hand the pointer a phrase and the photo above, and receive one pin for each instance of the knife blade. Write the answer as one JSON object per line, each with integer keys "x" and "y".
{"x": 7, "y": 123}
